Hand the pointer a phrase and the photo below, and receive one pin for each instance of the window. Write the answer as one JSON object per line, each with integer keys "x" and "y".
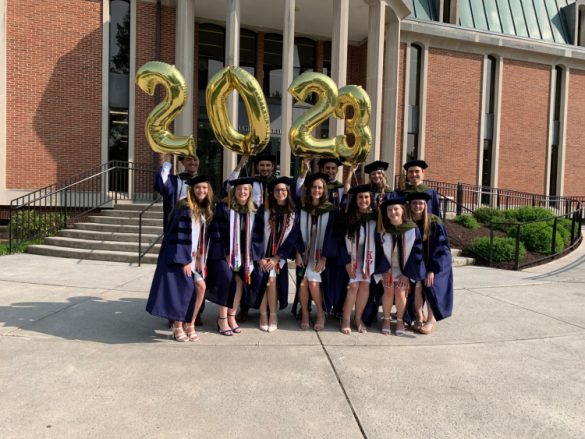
{"x": 490, "y": 98}
{"x": 554, "y": 150}
{"x": 414, "y": 86}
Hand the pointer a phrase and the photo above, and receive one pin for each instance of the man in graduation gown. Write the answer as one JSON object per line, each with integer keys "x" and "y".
{"x": 415, "y": 174}
{"x": 173, "y": 188}
{"x": 377, "y": 172}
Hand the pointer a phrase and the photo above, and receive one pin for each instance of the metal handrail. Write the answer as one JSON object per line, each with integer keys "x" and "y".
{"x": 142, "y": 212}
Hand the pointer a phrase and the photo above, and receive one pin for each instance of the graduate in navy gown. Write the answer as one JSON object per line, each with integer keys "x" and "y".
{"x": 178, "y": 287}
{"x": 316, "y": 243}
{"x": 173, "y": 188}
{"x": 380, "y": 188}
{"x": 281, "y": 228}
{"x": 329, "y": 168}
{"x": 437, "y": 288}
{"x": 401, "y": 261}
{"x": 357, "y": 253}
{"x": 415, "y": 174}
{"x": 236, "y": 246}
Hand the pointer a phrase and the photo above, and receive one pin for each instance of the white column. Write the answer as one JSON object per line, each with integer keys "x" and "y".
{"x": 232, "y": 58}
{"x": 375, "y": 72}
{"x": 563, "y": 132}
{"x": 288, "y": 47}
{"x": 132, "y": 98}
{"x": 185, "y": 61}
{"x": 105, "y": 78}
{"x": 392, "y": 63}
{"x": 3, "y": 196}
{"x": 339, "y": 55}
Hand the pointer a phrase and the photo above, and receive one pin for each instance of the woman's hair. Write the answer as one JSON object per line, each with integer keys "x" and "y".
{"x": 252, "y": 208}
{"x": 384, "y": 182}
{"x": 204, "y": 207}
{"x": 426, "y": 220}
{"x": 289, "y": 205}
{"x": 352, "y": 219}
{"x": 386, "y": 221}
{"x": 307, "y": 195}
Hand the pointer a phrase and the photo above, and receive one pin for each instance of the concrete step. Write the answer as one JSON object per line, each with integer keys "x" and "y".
{"x": 118, "y": 228}
{"x": 461, "y": 261}
{"x": 157, "y": 214}
{"x": 98, "y": 255}
{"x": 124, "y": 221}
{"x": 131, "y": 247}
{"x": 122, "y": 205}
{"x": 106, "y": 236}
{"x": 455, "y": 252}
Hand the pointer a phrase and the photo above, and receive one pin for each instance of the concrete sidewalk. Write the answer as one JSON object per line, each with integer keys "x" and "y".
{"x": 79, "y": 357}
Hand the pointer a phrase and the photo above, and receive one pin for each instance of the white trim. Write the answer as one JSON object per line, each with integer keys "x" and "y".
{"x": 3, "y": 91}
{"x": 405, "y": 97}
{"x": 422, "y": 105}
{"x": 131, "y": 86}
{"x": 480, "y": 140}
{"x": 339, "y": 55}
{"x": 497, "y": 121}
{"x": 105, "y": 77}
{"x": 286, "y": 103}
{"x": 232, "y": 58}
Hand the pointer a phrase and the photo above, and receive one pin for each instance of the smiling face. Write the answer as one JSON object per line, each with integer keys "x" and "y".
{"x": 265, "y": 168}
{"x": 330, "y": 169}
{"x": 363, "y": 201}
{"x": 280, "y": 193}
{"x": 201, "y": 190}
{"x": 417, "y": 207}
{"x": 378, "y": 177}
{"x": 415, "y": 175}
{"x": 191, "y": 165}
{"x": 242, "y": 193}
{"x": 317, "y": 189}
{"x": 395, "y": 212}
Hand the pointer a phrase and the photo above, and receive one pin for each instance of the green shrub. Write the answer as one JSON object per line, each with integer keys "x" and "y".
{"x": 33, "y": 223}
{"x": 467, "y": 221}
{"x": 564, "y": 228}
{"x": 526, "y": 214}
{"x": 486, "y": 215}
{"x": 504, "y": 249}
{"x": 537, "y": 237}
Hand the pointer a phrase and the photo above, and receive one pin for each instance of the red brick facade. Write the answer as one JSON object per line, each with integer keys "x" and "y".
{"x": 524, "y": 126}
{"x": 53, "y": 103}
{"x": 575, "y": 140}
{"x": 453, "y": 119}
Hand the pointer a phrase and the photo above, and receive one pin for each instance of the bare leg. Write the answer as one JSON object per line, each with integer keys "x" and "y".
{"x": 315, "y": 289}
{"x": 272, "y": 305}
{"x": 363, "y": 295}
{"x": 304, "y": 300}
{"x": 400, "y": 302}
{"x": 418, "y": 304}
{"x": 263, "y": 324}
{"x": 348, "y": 307}
{"x": 222, "y": 323}
{"x": 429, "y": 326}
{"x": 387, "y": 302}
{"x": 200, "y": 297}
{"x": 232, "y": 314}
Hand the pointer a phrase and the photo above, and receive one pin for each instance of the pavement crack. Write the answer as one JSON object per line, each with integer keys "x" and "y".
{"x": 355, "y": 415}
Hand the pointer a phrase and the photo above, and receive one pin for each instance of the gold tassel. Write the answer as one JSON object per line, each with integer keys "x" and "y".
{"x": 379, "y": 223}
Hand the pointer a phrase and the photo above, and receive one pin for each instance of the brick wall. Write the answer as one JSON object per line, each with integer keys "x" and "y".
{"x": 453, "y": 110}
{"x": 53, "y": 118}
{"x": 357, "y": 63}
{"x": 524, "y": 126}
{"x": 575, "y": 140}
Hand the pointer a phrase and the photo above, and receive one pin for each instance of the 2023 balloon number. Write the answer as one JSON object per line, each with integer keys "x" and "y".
{"x": 330, "y": 102}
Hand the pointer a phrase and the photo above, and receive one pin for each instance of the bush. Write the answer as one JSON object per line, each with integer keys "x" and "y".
{"x": 526, "y": 214}
{"x": 564, "y": 228}
{"x": 504, "y": 249}
{"x": 34, "y": 223}
{"x": 537, "y": 237}
{"x": 486, "y": 215}
{"x": 467, "y": 221}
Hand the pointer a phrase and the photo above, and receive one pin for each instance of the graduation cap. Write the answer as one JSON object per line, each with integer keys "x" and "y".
{"x": 420, "y": 163}
{"x": 378, "y": 165}
{"x": 241, "y": 181}
{"x": 279, "y": 180}
{"x": 322, "y": 162}
{"x": 264, "y": 157}
{"x": 392, "y": 201}
{"x": 311, "y": 178}
{"x": 360, "y": 189}
{"x": 182, "y": 157}
{"x": 418, "y": 196}
{"x": 198, "y": 179}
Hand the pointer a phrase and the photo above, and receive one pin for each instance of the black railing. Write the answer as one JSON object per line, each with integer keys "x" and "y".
{"x": 141, "y": 254}
{"x": 45, "y": 211}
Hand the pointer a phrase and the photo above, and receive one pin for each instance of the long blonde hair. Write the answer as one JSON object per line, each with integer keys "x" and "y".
{"x": 252, "y": 208}
{"x": 425, "y": 219}
{"x": 201, "y": 208}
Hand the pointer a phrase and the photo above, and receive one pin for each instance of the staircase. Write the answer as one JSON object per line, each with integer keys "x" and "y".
{"x": 111, "y": 235}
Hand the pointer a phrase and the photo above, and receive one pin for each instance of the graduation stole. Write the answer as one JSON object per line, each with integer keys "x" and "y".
{"x": 314, "y": 243}
{"x": 199, "y": 243}
{"x": 235, "y": 237}
{"x": 334, "y": 192}
{"x": 420, "y": 188}
{"x": 270, "y": 229}
{"x": 407, "y": 234}
{"x": 369, "y": 257}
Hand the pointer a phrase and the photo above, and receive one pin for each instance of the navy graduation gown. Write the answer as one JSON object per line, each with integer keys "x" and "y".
{"x": 172, "y": 294}
{"x": 286, "y": 250}
{"x": 170, "y": 190}
{"x": 221, "y": 280}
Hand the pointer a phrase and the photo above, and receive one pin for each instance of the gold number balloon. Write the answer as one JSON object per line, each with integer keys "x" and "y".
{"x": 159, "y": 137}
{"x": 330, "y": 102}
{"x": 221, "y": 84}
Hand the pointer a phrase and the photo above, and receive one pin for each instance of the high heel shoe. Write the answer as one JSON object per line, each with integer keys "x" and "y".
{"x": 179, "y": 334}
{"x": 226, "y": 332}
{"x": 237, "y": 329}
{"x": 191, "y": 334}
{"x": 386, "y": 331}
{"x": 263, "y": 327}
{"x": 273, "y": 326}
{"x": 399, "y": 332}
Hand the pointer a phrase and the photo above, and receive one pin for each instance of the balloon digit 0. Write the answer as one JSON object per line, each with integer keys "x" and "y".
{"x": 159, "y": 137}
{"x": 223, "y": 82}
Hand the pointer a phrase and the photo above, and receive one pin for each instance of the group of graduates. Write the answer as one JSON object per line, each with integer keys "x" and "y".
{"x": 355, "y": 248}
